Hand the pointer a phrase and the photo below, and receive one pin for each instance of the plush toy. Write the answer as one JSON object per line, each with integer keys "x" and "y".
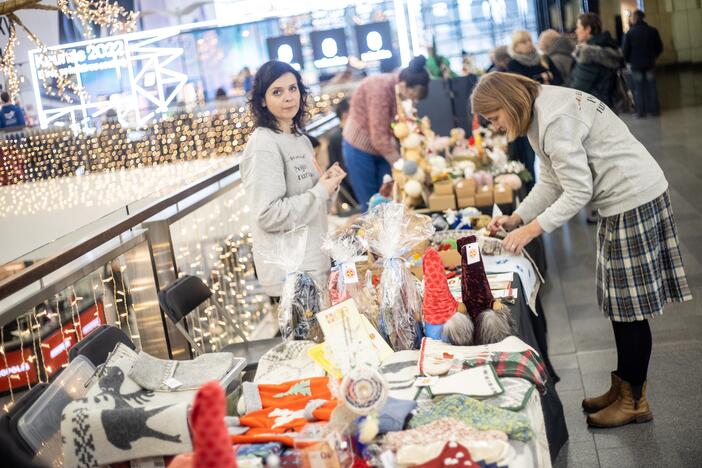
{"x": 384, "y": 195}
{"x": 413, "y": 188}
{"x": 510, "y": 180}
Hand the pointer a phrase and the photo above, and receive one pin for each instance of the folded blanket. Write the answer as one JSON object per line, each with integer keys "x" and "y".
{"x": 476, "y": 414}
{"x": 165, "y": 375}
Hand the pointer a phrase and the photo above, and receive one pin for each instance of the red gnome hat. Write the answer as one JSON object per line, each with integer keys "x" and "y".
{"x": 213, "y": 448}
{"x": 439, "y": 304}
{"x": 475, "y": 288}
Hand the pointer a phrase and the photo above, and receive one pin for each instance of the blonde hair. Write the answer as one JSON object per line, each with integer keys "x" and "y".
{"x": 515, "y": 94}
{"x": 519, "y": 36}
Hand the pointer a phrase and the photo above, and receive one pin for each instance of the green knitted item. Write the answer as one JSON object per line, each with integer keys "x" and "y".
{"x": 476, "y": 414}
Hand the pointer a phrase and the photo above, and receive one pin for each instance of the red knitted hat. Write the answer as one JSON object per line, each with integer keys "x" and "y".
{"x": 213, "y": 448}
{"x": 439, "y": 304}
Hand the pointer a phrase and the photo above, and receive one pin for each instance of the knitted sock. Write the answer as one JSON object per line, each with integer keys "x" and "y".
{"x": 213, "y": 448}
{"x": 475, "y": 288}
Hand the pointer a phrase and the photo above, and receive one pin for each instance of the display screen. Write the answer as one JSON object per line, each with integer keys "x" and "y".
{"x": 287, "y": 49}
{"x": 373, "y": 41}
{"x": 329, "y": 48}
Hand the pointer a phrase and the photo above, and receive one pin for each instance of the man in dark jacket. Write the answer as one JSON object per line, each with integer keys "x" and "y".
{"x": 11, "y": 115}
{"x": 597, "y": 59}
{"x": 642, "y": 45}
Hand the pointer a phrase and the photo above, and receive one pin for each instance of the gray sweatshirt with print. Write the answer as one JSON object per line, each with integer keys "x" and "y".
{"x": 586, "y": 154}
{"x": 282, "y": 190}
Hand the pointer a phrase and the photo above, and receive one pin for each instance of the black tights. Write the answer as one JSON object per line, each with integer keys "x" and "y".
{"x": 633, "y": 350}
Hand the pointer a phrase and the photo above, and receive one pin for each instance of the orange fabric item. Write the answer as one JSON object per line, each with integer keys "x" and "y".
{"x": 283, "y": 439}
{"x": 284, "y": 419}
{"x": 213, "y": 449}
{"x": 295, "y": 394}
{"x": 439, "y": 304}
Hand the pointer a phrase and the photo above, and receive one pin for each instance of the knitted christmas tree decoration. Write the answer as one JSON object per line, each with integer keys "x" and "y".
{"x": 475, "y": 288}
{"x": 439, "y": 304}
{"x": 211, "y": 442}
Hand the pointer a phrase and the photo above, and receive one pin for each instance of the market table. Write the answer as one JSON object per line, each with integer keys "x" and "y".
{"x": 528, "y": 327}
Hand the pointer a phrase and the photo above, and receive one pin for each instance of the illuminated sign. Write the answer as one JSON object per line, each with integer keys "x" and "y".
{"x": 129, "y": 73}
{"x": 287, "y": 49}
{"x": 329, "y": 48}
{"x": 373, "y": 41}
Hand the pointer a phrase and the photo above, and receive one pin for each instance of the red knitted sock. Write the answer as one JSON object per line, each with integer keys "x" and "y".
{"x": 475, "y": 288}
{"x": 213, "y": 448}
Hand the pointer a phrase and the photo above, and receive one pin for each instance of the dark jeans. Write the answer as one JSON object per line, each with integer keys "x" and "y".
{"x": 366, "y": 172}
{"x": 645, "y": 94}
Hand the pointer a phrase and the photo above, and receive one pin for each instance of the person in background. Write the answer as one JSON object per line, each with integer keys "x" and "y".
{"x": 437, "y": 65}
{"x": 597, "y": 59}
{"x": 525, "y": 60}
{"x": 246, "y": 79}
{"x": 560, "y": 50}
{"x": 11, "y": 115}
{"x": 334, "y": 148}
{"x": 284, "y": 186}
{"x": 368, "y": 145}
{"x": 586, "y": 153}
{"x": 500, "y": 59}
{"x": 642, "y": 46}
{"x": 221, "y": 100}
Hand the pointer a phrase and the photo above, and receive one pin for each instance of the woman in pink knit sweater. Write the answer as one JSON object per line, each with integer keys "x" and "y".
{"x": 368, "y": 144}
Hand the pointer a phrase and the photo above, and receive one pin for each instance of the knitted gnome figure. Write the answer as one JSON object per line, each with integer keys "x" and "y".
{"x": 493, "y": 320}
{"x": 440, "y": 309}
{"x": 212, "y": 446}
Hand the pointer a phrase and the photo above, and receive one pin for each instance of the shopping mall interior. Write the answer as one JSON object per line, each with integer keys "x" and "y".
{"x": 350, "y": 233}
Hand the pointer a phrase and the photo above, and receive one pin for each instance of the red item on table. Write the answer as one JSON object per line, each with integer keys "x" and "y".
{"x": 475, "y": 288}
{"x": 213, "y": 449}
{"x": 453, "y": 455}
{"x": 439, "y": 304}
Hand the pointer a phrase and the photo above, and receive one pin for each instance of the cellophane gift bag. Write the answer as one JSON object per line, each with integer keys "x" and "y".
{"x": 392, "y": 231}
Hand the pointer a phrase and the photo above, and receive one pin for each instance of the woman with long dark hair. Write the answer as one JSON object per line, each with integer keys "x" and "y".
{"x": 285, "y": 187}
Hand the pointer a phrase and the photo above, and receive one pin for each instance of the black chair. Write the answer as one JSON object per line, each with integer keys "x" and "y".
{"x": 185, "y": 295}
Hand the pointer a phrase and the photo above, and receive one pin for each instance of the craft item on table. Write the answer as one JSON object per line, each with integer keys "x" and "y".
{"x": 526, "y": 365}
{"x": 346, "y": 249}
{"x": 440, "y": 308}
{"x": 392, "y": 231}
{"x": 482, "y": 178}
{"x": 384, "y": 195}
{"x": 440, "y": 430}
{"x": 393, "y": 415}
{"x": 287, "y": 361}
{"x": 493, "y": 320}
{"x": 284, "y": 408}
{"x": 438, "y": 349}
{"x": 259, "y": 451}
{"x": 210, "y": 438}
{"x": 487, "y": 452}
{"x": 483, "y": 383}
{"x": 300, "y": 298}
{"x": 118, "y": 420}
{"x": 439, "y": 223}
{"x": 510, "y": 180}
{"x": 322, "y": 355}
{"x": 452, "y": 454}
{"x": 523, "y": 266}
{"x": 363, "y": 390}
{"x": 348, "y": 338}
{"x": 516, "y": 394}
{"x": 476, "y": 414}
{"x": 156, "y": 374}
{"x": 480, "y": 221}
{"x": 400, "y": 371}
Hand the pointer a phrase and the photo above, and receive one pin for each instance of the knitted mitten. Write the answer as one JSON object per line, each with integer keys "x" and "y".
{"x": 213, "y": 449}
{"x": 475, "y": 288}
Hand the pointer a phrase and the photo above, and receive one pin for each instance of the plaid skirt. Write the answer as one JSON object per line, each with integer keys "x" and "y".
{"x": 639, "y": 266}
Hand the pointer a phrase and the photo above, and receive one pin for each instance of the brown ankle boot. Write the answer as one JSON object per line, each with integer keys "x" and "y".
{"x": 592, "y": 405}
{"x": 623, "y": 411}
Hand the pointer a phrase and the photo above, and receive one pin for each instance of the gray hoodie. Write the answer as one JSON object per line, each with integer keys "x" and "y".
{"x": 586, "y": 153}
{"x": 561, "y": 54}
{"x": 281, "y": 183}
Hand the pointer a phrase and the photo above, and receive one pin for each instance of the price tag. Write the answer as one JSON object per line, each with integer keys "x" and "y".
{"x": 350, "y": 273}
{"x": 472, "y": 253}
{"x": 425, "y": 380}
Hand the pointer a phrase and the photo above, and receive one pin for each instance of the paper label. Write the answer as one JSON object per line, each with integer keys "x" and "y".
{"x": 387, "y": 458}
{"x": 172, "y": 383}
{"x": 349, "y": 272}
{"x": 151, "y": 462}
{"x": 425, "y": 380}
{"x": 472, "y": 253}
{"x": 496, "y": 211}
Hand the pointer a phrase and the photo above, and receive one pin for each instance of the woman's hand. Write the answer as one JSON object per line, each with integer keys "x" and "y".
{"x": 519, "y": 238}
{"x": 505, "y": 222}
{"x": 332, "y": 178}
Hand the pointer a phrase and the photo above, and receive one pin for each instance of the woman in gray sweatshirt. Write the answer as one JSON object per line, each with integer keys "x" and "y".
{"x": 587, "y": 154}
{"x": 284, "y": 186}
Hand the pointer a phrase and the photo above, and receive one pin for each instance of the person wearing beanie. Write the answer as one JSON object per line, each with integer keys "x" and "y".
{"x": 588, "y": 155}
{"x": 369, "y": 147}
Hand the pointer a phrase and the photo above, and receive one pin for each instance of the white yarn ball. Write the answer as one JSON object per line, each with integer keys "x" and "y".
{"x": 412, "y": 141}
{"x": 413, "y": 188}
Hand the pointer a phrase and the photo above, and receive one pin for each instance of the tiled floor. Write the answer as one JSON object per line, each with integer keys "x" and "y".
{"x": 581, "y": 342}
